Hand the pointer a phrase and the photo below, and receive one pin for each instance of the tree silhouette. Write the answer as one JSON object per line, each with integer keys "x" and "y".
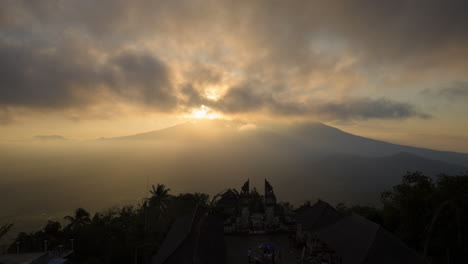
{"x": 52, "y": 228}
{"x": 159, "y": 197}
{"x": 80, "y": 219}
{"x": 428, "y": 214}
{"x": 409, "y": 206}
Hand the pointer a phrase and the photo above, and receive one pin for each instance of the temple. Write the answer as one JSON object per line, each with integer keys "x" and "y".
{"x": 316, "y": 233}
{"x": 251, "y": 212}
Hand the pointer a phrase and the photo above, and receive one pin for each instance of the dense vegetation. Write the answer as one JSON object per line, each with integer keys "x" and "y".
{"x": 115, "y": 235}
{"x": 427, "y": 214}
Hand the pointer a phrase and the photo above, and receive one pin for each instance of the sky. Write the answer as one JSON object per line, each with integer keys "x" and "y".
{"x": 390, "y": 70}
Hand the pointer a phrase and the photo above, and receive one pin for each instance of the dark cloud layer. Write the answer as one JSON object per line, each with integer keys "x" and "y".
{"x": 72, "y": 54}
{"x": 458, "y": 91}
{"x": 395, "y": 30}
{"x": 70, "y": 77}
{"x": 245, "y": 99}
{"x": 365, "y": 108}
{"x": 454, "y": 92}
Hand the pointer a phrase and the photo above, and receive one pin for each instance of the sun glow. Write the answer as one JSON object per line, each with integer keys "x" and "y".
{"x": 204, "y": 113}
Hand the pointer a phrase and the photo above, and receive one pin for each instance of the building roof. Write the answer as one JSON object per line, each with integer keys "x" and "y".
{"x": 319, "y": 215}
{"x": 229, "y": 198}
{"x": 196, "y": 237}
{"x": 179, "y": 231}
{"x": 359, "y": 241}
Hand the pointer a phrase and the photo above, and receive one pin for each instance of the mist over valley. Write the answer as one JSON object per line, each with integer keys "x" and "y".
{"x": 304, "y": 161}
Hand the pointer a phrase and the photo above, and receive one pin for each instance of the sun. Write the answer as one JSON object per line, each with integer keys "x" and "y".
{"x": 204, "y": 112}
{"x": 201, "y": 112}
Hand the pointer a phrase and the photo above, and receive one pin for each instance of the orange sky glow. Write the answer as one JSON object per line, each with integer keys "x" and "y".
{"x": 85, "y": 69}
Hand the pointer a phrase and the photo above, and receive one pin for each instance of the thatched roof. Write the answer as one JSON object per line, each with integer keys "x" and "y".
{"x": 196, "y": 237}
{"x": 359, "y": 241}
{"x": 319, "y": 215}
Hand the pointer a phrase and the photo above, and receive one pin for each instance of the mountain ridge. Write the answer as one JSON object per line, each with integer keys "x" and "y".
{"x": 321, "y": 139}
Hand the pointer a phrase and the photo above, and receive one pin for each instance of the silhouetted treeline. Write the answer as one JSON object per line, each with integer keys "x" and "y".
{"x": 116, "y": 235}
{"x": 429, "y": 215}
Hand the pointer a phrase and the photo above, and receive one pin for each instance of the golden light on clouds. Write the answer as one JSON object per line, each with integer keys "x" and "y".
{"x": 215, "y": 92}
{"x": 204, "y": 112}
{"x": 351, "y": 64}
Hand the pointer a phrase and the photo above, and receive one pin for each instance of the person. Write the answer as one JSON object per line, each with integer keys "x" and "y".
{"x": 249, "y": 255}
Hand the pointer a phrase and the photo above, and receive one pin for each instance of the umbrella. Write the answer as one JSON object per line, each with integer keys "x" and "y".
{"x": 268, "y": 247}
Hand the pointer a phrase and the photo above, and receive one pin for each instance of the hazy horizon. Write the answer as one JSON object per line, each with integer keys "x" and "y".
{"x": 51, "y": 176}
{"x": 56, "y": 138}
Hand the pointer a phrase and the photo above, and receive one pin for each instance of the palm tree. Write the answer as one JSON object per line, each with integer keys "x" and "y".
{"x": 80, "y": 219}
{"x": 159, "y": 197}
{"x": 159, "y": 201}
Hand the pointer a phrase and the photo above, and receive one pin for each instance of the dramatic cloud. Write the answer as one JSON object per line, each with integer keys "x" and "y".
{"x": 70, "y": 76}
{"x": 245, "y": 99}
{"x": 299, "y": 58}
{"x": 370, "y": 108}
